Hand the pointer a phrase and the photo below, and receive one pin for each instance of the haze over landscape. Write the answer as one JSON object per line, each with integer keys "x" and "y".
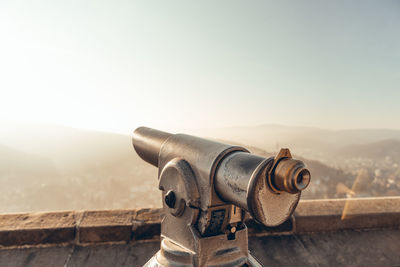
{"x": 76, "y": 78}
{"x": 112, "y": 66}
{"x": 62, "y": 168}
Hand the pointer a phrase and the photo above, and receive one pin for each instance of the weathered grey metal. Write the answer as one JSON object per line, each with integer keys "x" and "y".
{"x": 147, "y": 143}
{"x": 215, "y": 252}
{"x": 242, "y": 179}
{"x": 205, "y": 185}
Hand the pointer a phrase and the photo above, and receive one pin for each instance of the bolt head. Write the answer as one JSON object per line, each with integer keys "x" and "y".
{"x": 170, "y": 199}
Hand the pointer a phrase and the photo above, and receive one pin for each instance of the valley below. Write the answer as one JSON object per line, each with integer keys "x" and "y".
{"x": 60, "y": 168}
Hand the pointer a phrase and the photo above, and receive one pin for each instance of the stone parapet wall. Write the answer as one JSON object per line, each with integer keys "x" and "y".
{"x": 129, "y": 226}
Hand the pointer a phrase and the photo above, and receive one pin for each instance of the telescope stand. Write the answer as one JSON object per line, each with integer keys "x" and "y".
{"x": 210, "y": 251}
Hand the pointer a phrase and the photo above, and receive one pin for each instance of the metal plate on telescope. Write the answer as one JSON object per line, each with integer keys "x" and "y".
{"x": 268, "y": 207}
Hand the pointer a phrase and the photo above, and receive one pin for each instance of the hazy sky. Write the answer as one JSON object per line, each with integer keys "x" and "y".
{"x": 115, "y": 65}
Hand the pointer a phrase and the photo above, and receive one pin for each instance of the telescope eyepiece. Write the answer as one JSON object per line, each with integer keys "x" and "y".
{"x": 287, "y": 174}
{"x": 302, "y": 179}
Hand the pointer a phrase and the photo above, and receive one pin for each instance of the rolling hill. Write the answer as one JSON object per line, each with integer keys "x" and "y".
{"x": 60, "y": 168}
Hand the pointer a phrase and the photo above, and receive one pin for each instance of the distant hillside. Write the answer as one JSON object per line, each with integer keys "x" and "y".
{"x": 376, "y": 151}
{"x": 13, "y": 161}
{"x": 64, "y": 168}
{"x": 276, "y": 132}
{"x": 314, "y": 143}
{"x": 59, "y": 168}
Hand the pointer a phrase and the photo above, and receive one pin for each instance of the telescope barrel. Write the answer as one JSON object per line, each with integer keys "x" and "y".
{"x": 147, "y": 143}
{"x": 233, "y": 176}
{"x": 263, "y": 187}
{"x": 268, "y": 188}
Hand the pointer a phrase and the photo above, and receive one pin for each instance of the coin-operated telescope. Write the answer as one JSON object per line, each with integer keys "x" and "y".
{"x": 206, "y": 188}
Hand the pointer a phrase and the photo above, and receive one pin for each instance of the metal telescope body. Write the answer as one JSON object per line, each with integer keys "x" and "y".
{"x": 207, "y": 187}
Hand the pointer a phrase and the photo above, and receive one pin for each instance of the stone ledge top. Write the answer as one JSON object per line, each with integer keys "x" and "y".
{"x": 102, "y": 226}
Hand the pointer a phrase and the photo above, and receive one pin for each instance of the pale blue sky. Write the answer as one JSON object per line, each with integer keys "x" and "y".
{"x": 115, "y": 65}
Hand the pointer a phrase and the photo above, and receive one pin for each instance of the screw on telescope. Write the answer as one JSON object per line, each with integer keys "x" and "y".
{"x": 170, "y": 199}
